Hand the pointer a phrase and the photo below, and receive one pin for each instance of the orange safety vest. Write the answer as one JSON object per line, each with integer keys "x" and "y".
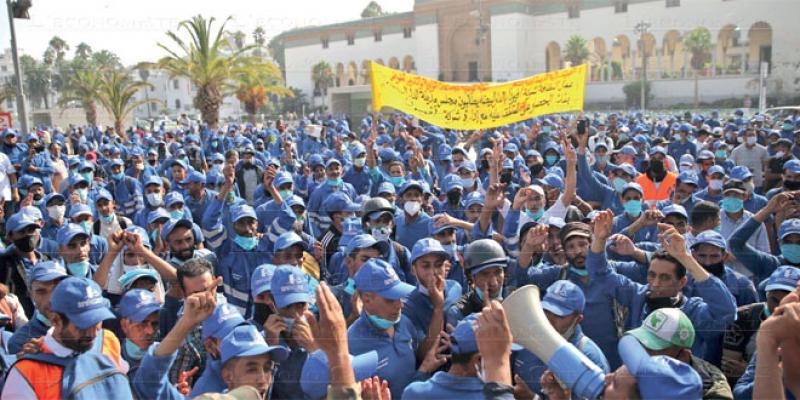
{"x": 45, "y": 378}
{"x": 664, "y": 190}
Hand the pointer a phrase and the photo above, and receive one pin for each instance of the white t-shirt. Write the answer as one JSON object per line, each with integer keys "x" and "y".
{"x": 5, "y": 168}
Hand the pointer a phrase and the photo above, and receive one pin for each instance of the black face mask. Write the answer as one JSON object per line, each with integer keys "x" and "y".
{"x": 506, "y": 177}
{"x": 536, "y": 169}
{"x": 152, "y": 162}
{"x": 657, "y": 167}
{"x": 261, "y": 313}
{"x": 791, "y": 185}
{"x": 715, "y": 269}
{"x": 654, "y": 303}
{"x": 454, "y": 197}
{"x": 26, "y": 244}
{"x": 484, "y": 164}
{"x": 38, "y": 149}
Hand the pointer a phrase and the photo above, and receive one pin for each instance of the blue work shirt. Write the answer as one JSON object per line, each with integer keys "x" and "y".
{"x": 211, "y": 379}
{"x": 646, "y": 234}
{"x": 286, "y": 383}
{"x": 33, "y": 329}
{"x": 408, "y": 230}
{"x": 358, "y": 178}
{"x": 419, "y": 309}
{"x": 442, "y": 385}
{"x": 761, "y": 264}
{"x": 740, "y": 286}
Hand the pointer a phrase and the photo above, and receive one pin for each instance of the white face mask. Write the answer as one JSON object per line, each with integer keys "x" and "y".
{"x": 56, "y": 212}
{"x": 412, "y": 207}
{"x": 779, "y": 154}
{"x": 715, "y": 184}
{"x": 359, "y": 162}
{"x": 128, "y": 268}
{"x": 154, "y": 199}
{"x": 751, "y": 140}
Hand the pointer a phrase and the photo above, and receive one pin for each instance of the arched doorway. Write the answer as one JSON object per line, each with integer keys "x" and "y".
{"x": 673, "y": 61}
{"x": 760, "y": 49}
{"x": 394, "y": 63}
{"x": 339, "y": 80}
{"x": 552, "y": 57}
{"x": 409, "y": 65}
{"x": 620, "y": 58}
{"x": 646, "y": 45}
{"x": 352, "y": 74}
{"x": 729, "y": 50}
{"x": 365, "y": 72}
{"x": 598, "y": 58}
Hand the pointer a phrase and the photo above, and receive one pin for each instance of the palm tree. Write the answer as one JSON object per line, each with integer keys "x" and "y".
{"x": 83, "y": 86}
{"x": 576, "y": 50}
{"x": 208, "y": 61}
{"x": 7, "y": 91}
{"x": 37, "y": 80}
{"x": 117, "y": 94}
{"x": 260, "y": 40}
{"x": 256, "y": 86}
{"x": 322, "y": 76}
{"x": 105, "y": 59}
{"x": 56, "y": 51}
{"x": 373, "y": 9}
{"x": 83, "y": 51}
{"x": 698, "y": 42}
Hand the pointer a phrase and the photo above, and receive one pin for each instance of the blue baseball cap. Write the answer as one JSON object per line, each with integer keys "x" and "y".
{"x": 26, "y": 181}
{"x": 339, "y": 202}
{"x": 445, "y": 153}
{"x": 433, "y": 229}
{"x": 426, "y": 246}
{"x": 632, "y": 186}
{"x": 675, "y": 209}
{"x": 157, "y": 214}
{"x": 129, "y": 278}
{"x": 47, "y": 271}
{"x": 138, "y": 304}
{"x": 82, "y": 301}
{"x": 658, "y": 149}
{"x": 351, "y": 227}
{"x": 173, "y": 223}
{"x": 173, "y": 198}
{"x": 333, "y": 161}
{"x": 379, "y": 277}
{"x": 103, "y": 194}
{"x": 686, "y": 159}
{"x": 627, "y": 169}
{"x": 386, "y": 187}
{"x": 68, "y": 232}
{"x": 53, "y": 195}
{"x": 564, "y": 298}
{"x": 689, "y": 177}
{"x": 552, "y": 180}
{"x": 289, "y": 286}
{"x": 222, "y": 321}
{"x": 282, "y": 178}
{"x": 463, "y": 337}
{"x": 659, "y": 377}
{"x": 452, "y": 182}
{"x": 195, "y": 177}
{"x": 115, "y": 162}
{"x": 246, "y": 341}
{"x": 295, "y": 200}
{"x": 705, "y": 155}
{"x": 789, "y": 227}
{"x": 387, "y": 155}
{"x": 783, "y": 278}
{"x": 473, "y": 198}
{"x": 628, "y": 150}
{"x": 20, "y": 221}
{"x": 153, "y": 180}
{"x": 641, "y": 139}
{"x": 792, "y": 166}
{"x": 468, "y": 165}
{"x": 242, "y": 211}
{"x": 364, "y": 241}
{"x": 411, "y": 184}
{"x": 459, "y": 149}
{"x": 289, "y": 239}
{"x": 261, "y": 280}
{"x": 715, "y": 169}
{"x": 315, "y": 376}
{"x": 711, "y": 237}
{"x": 79, "y": 209}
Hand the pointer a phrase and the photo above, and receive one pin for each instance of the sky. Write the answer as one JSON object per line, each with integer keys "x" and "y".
{"x": 132, "y": 29}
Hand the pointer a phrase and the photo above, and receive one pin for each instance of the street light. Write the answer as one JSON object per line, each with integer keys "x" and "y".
{"x": 641, "y": 29}
{"x": 18, "y": 9}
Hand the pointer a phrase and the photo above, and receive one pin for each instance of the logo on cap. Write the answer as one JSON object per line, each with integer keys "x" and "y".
{"x": 656, "y": 321}
{"x": 92, "y": 297}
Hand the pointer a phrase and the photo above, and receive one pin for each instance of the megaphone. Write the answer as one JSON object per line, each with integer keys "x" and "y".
{"x": 532, "y": 330}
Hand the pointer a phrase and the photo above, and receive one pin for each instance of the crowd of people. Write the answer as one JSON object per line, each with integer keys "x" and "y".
{"x": 336, "y": 258}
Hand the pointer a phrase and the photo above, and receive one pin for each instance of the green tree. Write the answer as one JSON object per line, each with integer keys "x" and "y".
{"x": 83, "y": 86}
{"x": 117, "y": 94}
{"x": 37, "y": 80}
{"x": 256, "y": 85}
{"x": 373, "y": 9}
{"x": 698, "y": 43}
{"x": 208, "y": 61}
{"x": 238, "y": 38}
{"x": 105, "y": 59}
{"x": 322, "y": 76}
{"x": 633, "y": 94}
{"x": 259, "y": 40}
{"x": 83, "y": 51}
{"x": 295, "y": 103}
{"x": 576, "y": 50}
{"x": 56, "y": 51}
{"x": 7, "y": 92}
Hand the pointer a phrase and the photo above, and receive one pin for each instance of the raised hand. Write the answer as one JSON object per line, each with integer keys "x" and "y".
{"x": 183, "y": 385}
{"x": 332, "y": 335}
{"x": 603, "y": 225}
{"x": 622, "y": 245}
{"x": 672, "y": 241}
{"x": 536, "y": 237}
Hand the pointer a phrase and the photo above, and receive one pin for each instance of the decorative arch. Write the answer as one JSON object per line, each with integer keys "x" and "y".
{"x": 394, "y": 63}
{"x": 760, "y": 45}
{"x": 409, "y": 65}
{"x": 598, "y": 57}
{"x": 339, "y": 79}
{"x": 364, "y": 72}
{"x": 380, "y": 61}
{"x": 352, "y": 74}
{"x": 729, "y": 51}
{"x": 672, "y": 64}
{"x": 552, "y": 57}
{"x": 621, "y": 57}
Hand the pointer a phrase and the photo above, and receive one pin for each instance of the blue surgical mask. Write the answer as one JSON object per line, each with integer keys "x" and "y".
{"x": 78, "y": 269}
{"x": 285, "y": 194}
{"x": 397, "y": 181}
{"x": 83, "y": 194}
{"x": 547, "y": 129}
{"x": 732, "y": 204}
{"x": 791, "y": 252}
{"x": 550, "y": 159}
{"x": 579, "y": 271}
{"x": 289, "y": 323}
{"x": 246, "y": 242}
{"x": 89, "y": 176}
{"x": 108, "y": 218}
{"x": 451, "y": 249}
{"x": 788, "y": 127}
{"x": 154, "y": 235}
{"x": 482, "y": 296}
{"x": 619, "y": 184}
{"x": 720, "y": 154}
{"x": 534, "y": 215}
{"x": 42, "y": 318}
{"x": 22, "y": 193}
{"x": 717, "y": 229}
{"x": 350, "y": 287}
{"x": 601, "y": 159}
{"x": 118, "y": 176}
{"x": 623, "y": 137}
{"x": 87, "y": 226}
{"x": 133, "y": 350}
{"x": 633, "y": 207}
{"x": 335, "y": 182}
{"x": 176, "y": 214}
{"x": 380, "y": 323}
{"x": 467, "y": 183}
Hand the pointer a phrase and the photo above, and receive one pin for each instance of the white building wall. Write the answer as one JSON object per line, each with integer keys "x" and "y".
{"x": 427, "y": 50}
{"x": 177, "y": 96}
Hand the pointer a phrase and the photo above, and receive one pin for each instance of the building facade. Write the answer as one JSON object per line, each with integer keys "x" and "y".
{"x": 503, "y": 40}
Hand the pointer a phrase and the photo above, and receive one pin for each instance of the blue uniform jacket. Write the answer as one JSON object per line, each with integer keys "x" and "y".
{"x": 287, "y": 376}
{"x": 407, "y": 233}
{"x": 740, "y": 286}
{"x": 710, "y": 313}
{"x": 418, "y": 307}
{"x": 359, "y": 179}
{"x": 746, "y": 383}
{"x": 646, "y": 234}
{"x": 198, "y": 207}
{"x": 152, "y": 379}
{"x": 442, "y": 385}
{"x": 318, "y": 217}
{"x": 33, "y": 329}
{"x": 211, "y": 379}
{"x": 591, "y": 189}
{"x": 760, "y": 264}
{"x": 127, "y": 195}
{"x": 44, "y": 166}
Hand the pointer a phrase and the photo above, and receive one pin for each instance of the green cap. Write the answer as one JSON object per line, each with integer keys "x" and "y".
{"x": 663, "y": 328}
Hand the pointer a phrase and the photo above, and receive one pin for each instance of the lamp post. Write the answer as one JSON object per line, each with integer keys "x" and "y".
{"x": 18, "y": 9}
{"x": 641, "y": 29}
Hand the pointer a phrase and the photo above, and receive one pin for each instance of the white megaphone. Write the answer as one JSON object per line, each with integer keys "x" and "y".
{"x": 532, "y": 330}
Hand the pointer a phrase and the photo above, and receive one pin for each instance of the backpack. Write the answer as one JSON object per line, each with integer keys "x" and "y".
{"x": 88, "y": 376}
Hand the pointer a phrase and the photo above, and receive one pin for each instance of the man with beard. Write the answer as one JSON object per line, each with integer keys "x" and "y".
{"x": 563, "y": 305}
{"x": 43, "y": 279}
{"x": 657, "y": 183}
{"x": 76, "y": 333}
{"x": 17, "y": 260}
{"x": 138, "y": 314}
{"x": 710, "y": 312}
{"x": 248, "y": 175}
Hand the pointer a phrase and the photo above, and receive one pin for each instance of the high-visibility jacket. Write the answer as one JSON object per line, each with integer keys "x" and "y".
{"x": 45, "y": 378}
{"x": 664, "y": 191}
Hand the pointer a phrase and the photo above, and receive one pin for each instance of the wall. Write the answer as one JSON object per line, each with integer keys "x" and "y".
{"x": 667, "y": 92}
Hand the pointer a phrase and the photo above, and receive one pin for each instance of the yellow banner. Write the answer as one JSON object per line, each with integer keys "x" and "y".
{"x": 478, "y": 106}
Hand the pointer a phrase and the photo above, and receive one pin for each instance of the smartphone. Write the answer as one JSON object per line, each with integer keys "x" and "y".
{"x": 582, "y": 127}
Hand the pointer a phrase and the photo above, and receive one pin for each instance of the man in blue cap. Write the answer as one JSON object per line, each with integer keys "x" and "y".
{"x": 454, "y": 192}
{"x": 761, "y": 263}
{"x": 383, "y": 327}
{"x": 289, "y": 327}
{"x": 138, "y": 315}
{"x": 222, "y": 322}
{"x": 682, "y": 145}
{"x": 485, "y": 263}
{"x": 359, "y": 250}
{"x": 790, "y": 179}
{"x": 268, "y": 209}
{"x": 23, "y": 232}
{"x": 76, "y": 317}
{"x": 42, "y": 278}
{"x": 563, "y": 305}
{"x": 461, "y": 381}
{"x": 74, "y": 248}
{"x": 81, "y": 215}
{"x": 153, "y": 199}
{"x": 15, "y": 151}
{"x": 753, "y": 201}
{"x": 412, "y": 224}
{"x": 710, "y": 312}
{"x": 716, "y": 181}
{"x": 33, "y": 186}
{"x": 245, "y": 357}
{"x": 357, "y": 174}
{"x": 333, "y": 183}
{"x": 127, "y": 191}
{"x": 710, "y": 250}
{"x": 174, "y": 204}
{"x": 337, "y": 207}
{"x": 590, "y": 187}
{"x": 109, "y": 220}
{"x": 198, "y": 197}
{"x": 637, "y": 222}
{"x": 316, "y": 375}
{"x": 261, "y": 289}
{"x": 426, "y": 305}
